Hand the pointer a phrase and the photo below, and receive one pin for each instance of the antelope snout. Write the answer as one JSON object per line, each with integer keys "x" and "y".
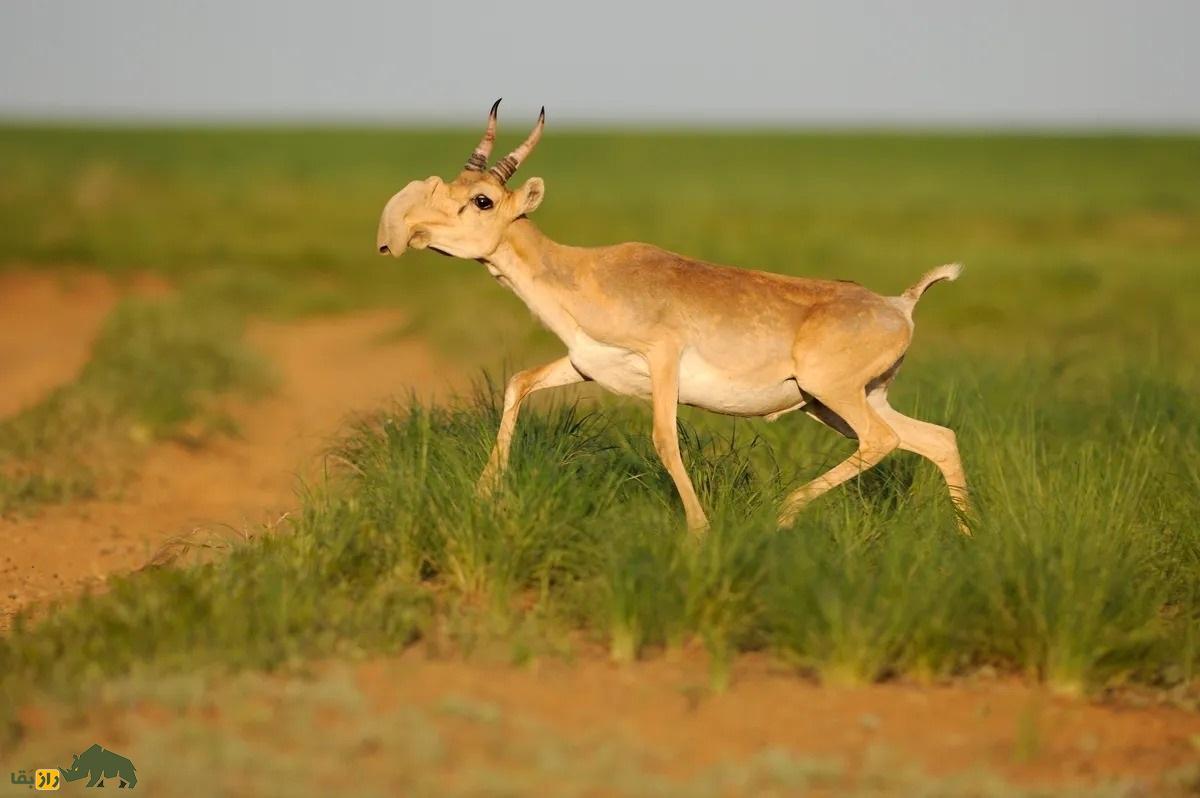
{"x": 390, "y": 241}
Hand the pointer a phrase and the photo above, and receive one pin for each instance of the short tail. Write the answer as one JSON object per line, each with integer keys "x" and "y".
{"x": 951, "y": 271}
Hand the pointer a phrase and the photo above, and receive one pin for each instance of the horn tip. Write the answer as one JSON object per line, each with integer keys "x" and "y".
{"x": 542, "y": 114}
{"x": 495, "y": 106}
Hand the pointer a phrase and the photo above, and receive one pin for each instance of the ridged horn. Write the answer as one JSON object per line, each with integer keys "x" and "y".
{"x": 507, "y": 166}
{"x": 483, "y": 150}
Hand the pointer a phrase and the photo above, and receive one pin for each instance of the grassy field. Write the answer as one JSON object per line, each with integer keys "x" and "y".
{"x": 1065, "y": 358}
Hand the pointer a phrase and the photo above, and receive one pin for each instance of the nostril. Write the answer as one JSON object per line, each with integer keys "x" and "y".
{"x": 383, "y": 249}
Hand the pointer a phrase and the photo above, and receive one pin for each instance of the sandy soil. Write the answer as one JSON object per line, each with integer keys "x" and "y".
{"x": 419, "y": 724}
{"x": 664, "y": 706}
{"x": 329, "y": 368}
{"x": 47, "y": 325}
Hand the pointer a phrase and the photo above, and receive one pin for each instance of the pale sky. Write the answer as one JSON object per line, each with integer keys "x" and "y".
{"x": 1053, "y": 63}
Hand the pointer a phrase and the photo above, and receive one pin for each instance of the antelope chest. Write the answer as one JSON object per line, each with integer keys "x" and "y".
{"x": 619, "y": 370}
{"x": 701, "y": 384}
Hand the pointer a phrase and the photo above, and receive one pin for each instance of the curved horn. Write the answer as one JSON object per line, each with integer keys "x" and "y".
{"x": 507, "y": 166}
{"x": 478, "y": 160}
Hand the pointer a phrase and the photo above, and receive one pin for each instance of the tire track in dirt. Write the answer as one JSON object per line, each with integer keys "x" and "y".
{"x": 47, "y": 325}
{"x": 328, "y": 368}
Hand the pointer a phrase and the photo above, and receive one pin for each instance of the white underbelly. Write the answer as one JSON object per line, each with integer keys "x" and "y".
{"x": 738, "y": 394}
{"x": 700, "y": 383}
{"x": 619, "y": 370}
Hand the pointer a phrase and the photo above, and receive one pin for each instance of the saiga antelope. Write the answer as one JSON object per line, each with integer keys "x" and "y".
{"x": 643, "y": 321}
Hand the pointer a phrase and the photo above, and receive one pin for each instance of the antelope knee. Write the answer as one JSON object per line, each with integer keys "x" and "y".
{"x": 665, "y": 443}
{"x": 882, "y": 443}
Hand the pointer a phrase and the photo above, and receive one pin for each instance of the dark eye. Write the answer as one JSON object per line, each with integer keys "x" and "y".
{"x": 482, "y": 202}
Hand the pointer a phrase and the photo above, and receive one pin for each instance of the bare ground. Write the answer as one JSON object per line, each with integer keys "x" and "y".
{"x": 664, "y": 707}
{"x": 419, "y": 724}
{"x": 47, "y": 325}
{"x": 659, "y": 715}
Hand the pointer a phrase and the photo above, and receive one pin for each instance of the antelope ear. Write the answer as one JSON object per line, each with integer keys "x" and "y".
{"x": 530, "y": 195}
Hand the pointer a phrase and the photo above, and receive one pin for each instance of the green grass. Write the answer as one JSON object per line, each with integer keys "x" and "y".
{"x": 1073, "y": 245}
{"x": 1065, "y": 358}
{"x": 1082, "y": 572}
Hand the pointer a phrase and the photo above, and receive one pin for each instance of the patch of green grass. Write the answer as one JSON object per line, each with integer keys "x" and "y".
{"x": 1082, "y": 571}
{"x": 157, "y": 365}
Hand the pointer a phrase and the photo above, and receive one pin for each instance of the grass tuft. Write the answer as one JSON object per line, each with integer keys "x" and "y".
{"x": 1082, "y": 571}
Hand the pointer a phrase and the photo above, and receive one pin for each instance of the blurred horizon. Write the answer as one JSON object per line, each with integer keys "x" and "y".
{"x": 932, "y": 65}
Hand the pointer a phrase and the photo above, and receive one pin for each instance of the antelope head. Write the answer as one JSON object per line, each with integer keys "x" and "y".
{"x": 467, "y": 216}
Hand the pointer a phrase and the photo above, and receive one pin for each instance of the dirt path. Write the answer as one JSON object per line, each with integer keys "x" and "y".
{"x": 329, "y": 368}
{"x": 47, "y": 325}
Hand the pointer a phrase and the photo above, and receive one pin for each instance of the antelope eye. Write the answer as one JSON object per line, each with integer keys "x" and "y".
{"x": 482, "y": 202}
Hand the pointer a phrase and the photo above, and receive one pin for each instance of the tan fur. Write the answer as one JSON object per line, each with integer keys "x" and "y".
{"x": 646, "y": 322}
